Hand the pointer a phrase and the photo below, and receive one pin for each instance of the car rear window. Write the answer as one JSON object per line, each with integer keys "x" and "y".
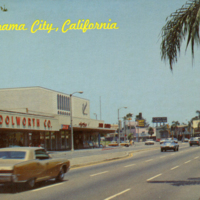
{"x": 194, "y": 139}
{"x": 12, "y": 154}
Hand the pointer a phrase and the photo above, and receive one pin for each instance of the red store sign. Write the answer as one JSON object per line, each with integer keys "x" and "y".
{"x": 24, "y": 121}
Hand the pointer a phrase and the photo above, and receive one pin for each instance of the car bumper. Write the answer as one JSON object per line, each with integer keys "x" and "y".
{"x": 149, "y": 143}
{"x": 7, "y": 178}
{"x": 195, "y": 143}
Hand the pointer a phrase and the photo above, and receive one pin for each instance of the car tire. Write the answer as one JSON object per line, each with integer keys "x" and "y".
{"x": 61, "y": 175}
{"x": 161, "y": 150}
{"x": 174, "y": 149}
{"x": 30, "y": 183}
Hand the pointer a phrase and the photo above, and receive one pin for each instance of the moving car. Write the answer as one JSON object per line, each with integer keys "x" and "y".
{"x": 194, "y": 141}
{"x": 30, "y": 165}
{"x": 149, "y": 142}
{"x": 162, "y": 141}
{"x": 175, "y": 140}
{"x": 169, "y": 145}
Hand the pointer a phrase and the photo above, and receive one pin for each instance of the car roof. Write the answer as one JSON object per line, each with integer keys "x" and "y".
{"x": 20, "y": 148}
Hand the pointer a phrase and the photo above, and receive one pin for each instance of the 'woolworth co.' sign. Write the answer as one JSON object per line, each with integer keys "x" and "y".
{"x": 8, "y": 121}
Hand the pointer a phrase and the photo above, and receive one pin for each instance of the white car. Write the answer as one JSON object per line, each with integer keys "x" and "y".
{"x": 149, "y": 142}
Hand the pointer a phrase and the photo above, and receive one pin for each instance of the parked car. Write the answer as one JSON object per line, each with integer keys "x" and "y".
{"x": 30, "y": 165}
{"x": 125, "y": 143}
{"x": 122, "y": 143}
{"x": 194, "y": 141}
{"x": 149, "y": 142}
{"x": 113, "y": 144}
{"x": 169, "y": 145}
{"x": 186, "y": 140}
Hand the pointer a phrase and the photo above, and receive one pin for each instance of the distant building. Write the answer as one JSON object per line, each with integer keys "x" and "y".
{"x": 139, "y": 133}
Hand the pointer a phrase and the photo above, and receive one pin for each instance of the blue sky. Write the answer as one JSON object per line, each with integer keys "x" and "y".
{"x": 121, "y": 66}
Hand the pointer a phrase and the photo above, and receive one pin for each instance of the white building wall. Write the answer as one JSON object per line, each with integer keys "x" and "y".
{"x": 40, "y": 100}
{"x": 80, "y": 107}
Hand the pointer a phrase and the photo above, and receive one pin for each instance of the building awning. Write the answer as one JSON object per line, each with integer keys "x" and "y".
{"x": 100, "y": 130}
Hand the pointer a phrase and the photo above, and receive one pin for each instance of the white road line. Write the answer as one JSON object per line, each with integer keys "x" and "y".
{"x": 148, "y": 160}
{"x": 196, "y": 157}
{"x": 153, "y": 177}
{"x": 162, "y": 156}
{"x": 99, "y": 173}
{"x": 174, "y": 167}
{"x": 129, "y": 165}
{"x": 188, "y": 161}
{"x": 117, "y": 194}
{"x": 46, "y": 187}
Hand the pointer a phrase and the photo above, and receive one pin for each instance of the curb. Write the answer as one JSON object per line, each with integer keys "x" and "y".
{"x": 128, "y": 154}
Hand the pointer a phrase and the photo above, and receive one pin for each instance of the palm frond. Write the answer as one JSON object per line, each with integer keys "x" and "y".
{"x": 184, "y": 21}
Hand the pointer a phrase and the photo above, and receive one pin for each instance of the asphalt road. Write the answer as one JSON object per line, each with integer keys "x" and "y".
{"x": 146, "y": 175}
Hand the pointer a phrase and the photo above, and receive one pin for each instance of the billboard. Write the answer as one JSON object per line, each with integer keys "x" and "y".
{"x": 159, "y": 119}
{"x": 140, "y": 123}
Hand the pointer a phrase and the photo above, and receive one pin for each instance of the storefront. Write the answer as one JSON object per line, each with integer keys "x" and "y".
{"x": 37, "y": 116}
{"x": 23, "y": 129}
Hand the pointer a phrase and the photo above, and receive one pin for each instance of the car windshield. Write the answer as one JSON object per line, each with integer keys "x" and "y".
{"x": 194, "y": 139}
{"x": 149, "y": 139}
{"x": 169, "y": 143}
{"x": 12, "y": 154}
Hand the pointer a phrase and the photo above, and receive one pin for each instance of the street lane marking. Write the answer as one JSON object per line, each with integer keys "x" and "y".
{"x": 174, "y": 167}
{"x": 117, "y": 194}
{"x": 153, "y": 177}
{"x": 129, "y": 165}
{"x": 196, "y": 157}
{"x": 188, "y": 161}
{"x": 99, "y": 173}
{"x": 148, "y": 160}
{"x": 162, "y": 156}
{"x": 46, "y": 187}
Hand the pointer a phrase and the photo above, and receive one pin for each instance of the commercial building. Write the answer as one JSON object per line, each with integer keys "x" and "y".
{"x": 36, "y": 116}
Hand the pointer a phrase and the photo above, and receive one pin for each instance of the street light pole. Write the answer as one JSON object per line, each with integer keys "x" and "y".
{"x": 71, "y": 122}
{"x": 119, "y": 126}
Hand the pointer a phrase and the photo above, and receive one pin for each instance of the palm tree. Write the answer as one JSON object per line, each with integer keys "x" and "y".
{"x": 198, "y": 112}
{"x": 184, "y": 21}
{"x": 150, "y": 131}
{"x": 174, "y": 127}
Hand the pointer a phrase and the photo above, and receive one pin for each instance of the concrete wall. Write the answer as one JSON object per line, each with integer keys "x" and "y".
{"x": 40, "y": 100}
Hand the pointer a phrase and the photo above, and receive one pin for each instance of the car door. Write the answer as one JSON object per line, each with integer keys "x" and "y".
{"x": 42, "y": 164}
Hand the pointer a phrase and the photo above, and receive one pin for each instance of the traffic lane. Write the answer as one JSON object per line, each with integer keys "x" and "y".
{"x": 112, "y": 168}
{"x": 137, "y": 157}
{"x": 108, "y": 184}
{"x": 71, "y": 175}
{"x": 182, "y": 182}
{"x": 114, "y": 150}
{"x": 148, "y": 192}
{"x": 89, "y": 152}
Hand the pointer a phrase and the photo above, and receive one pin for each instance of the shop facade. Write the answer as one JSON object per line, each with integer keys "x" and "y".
{"x": 41, "y": 117}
